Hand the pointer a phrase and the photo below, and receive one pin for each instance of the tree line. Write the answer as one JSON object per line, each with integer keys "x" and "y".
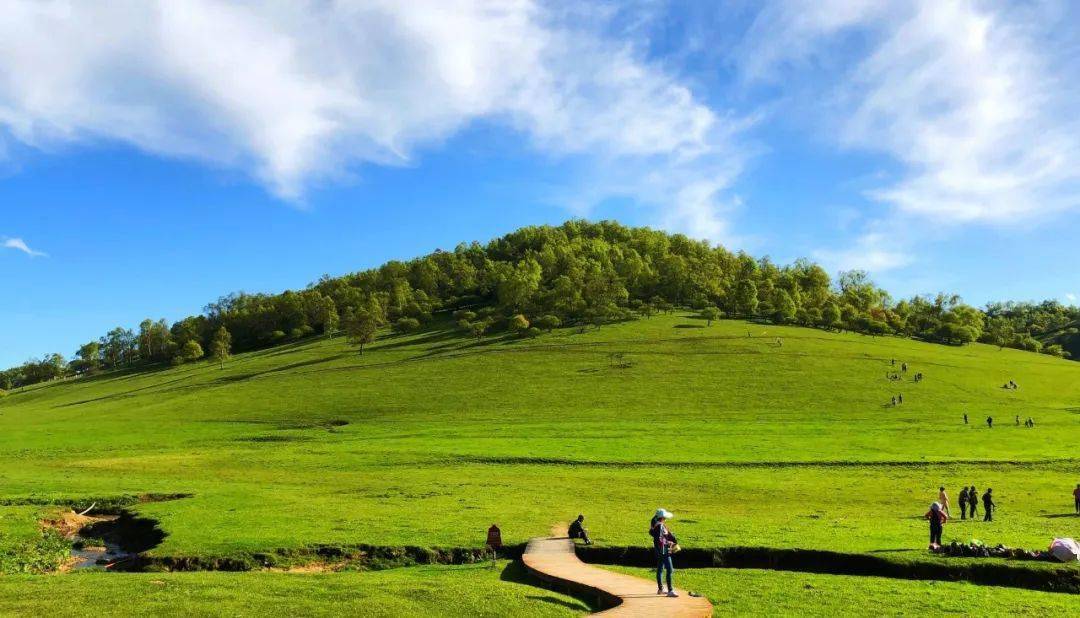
{"x": 542, "y": 277}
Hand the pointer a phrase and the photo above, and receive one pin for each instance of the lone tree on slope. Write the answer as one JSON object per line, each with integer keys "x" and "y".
{"x": 360, "y": 328}
{"x": 221, "y": 346}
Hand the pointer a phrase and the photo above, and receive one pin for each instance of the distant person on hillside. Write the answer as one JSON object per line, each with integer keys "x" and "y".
{"x": 893, "y": 362}
{"x": 943, "y": 500}
{"x": 988, "y": 505}
{"x": 963, "y": 502}
{"x": 578, "y": 531}
{"x": 894, "y": 400}
{"x": 900, "y": 398}
{"x": 973, "y": 500}
{"x": 937, "y": 519}
{"x": 663, "y": 542}
{"x": 990, "y": 422}
{"x": 1076, "y": 498}
{"x": 965, "y": 418}
{"x": 1017, "y": 420}
{"x": 1031, "y": 422}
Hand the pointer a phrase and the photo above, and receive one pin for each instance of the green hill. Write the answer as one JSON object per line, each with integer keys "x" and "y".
{"x": 754, "y": 435}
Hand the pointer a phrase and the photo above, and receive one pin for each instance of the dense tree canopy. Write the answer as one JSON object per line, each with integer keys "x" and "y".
{"x": 578, "y": 273}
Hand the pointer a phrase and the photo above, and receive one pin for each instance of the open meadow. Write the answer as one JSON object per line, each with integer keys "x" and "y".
{"x": 754, "y": 435}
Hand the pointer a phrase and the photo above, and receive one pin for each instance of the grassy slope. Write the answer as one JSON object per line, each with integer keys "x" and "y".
{"x": 446, "y": 437}
{"x": 772, "y": 593}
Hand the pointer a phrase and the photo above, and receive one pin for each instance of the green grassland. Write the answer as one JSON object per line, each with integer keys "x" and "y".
{"x": 773, "y": 593}
{"x": 473, "y": 590}
{"x": 428, "y": 439}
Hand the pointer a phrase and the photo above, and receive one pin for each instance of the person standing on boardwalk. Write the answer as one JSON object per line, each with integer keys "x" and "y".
{"x": 663, "y": 542}
{"x": 988, "y": 505}
{"x": 943, "y": 499}
{"x": 963, "y": 502}
{"x": 973, "y": 500}
{"x": 937, "y": 519}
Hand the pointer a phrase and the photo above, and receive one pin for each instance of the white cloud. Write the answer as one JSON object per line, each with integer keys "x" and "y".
{"x": 301, "y": 92}
{"x": 20, "y": 245}
{"x": 975, "y": 101}
{"x": 1071, "y": 298}
{"x": 873, "y": 251}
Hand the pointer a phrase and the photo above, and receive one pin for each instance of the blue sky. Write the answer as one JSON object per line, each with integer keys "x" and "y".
{"x": 157, "y": 155}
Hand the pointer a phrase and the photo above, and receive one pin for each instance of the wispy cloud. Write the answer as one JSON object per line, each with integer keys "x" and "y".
{"x": 975, "y": 101}
{"x": 19, "y": 244}
{"x": 874, "y": 252}
{"x": 301, "y": 93}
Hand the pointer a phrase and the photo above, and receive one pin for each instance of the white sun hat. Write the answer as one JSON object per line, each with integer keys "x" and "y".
{"x": 664, "y": 513}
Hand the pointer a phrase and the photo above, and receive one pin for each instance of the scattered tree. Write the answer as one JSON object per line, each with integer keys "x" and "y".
{"x": 709, "y": 314}
{"x": 406, "y": 325}
{"x": 360, "y": 328}
{"x": 221, "y": 346}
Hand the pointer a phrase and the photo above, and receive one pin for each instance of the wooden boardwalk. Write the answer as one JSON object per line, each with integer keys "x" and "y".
{"x": 552, "y": 559}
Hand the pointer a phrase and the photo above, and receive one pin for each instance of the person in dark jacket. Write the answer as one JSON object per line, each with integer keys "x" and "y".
{"x": 578, "y": 531}
{"x": 663, "y": 541}
{"x": 963, "y": 502}
{"x": 973, "y": 500}
{"x": 937, "y": 519}
{"x": 989, "y": 505}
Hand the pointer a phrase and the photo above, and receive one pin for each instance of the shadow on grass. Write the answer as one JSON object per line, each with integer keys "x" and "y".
{"x": 1057, "y": 515}
{"x": 515, "y": 572}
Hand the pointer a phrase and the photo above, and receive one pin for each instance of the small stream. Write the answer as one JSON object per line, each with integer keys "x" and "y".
{"x": 114, "y": 542}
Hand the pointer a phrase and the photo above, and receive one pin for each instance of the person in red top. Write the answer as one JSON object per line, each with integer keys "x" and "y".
{"x": 937, "y": 519}
{"x": 1076, "y": 498}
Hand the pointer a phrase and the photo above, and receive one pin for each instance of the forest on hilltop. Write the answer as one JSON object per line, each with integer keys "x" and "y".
{"x": 577, "y": 273}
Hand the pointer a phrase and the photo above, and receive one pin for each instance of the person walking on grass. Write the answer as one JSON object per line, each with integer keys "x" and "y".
{"x": 963, "y": 502}
{"x": 943, "y": 499}
{"x": 663, "y": 543}
{"x": 965, "y": 418}
{"x": 1076, "y": 498}
{"x": 989, "y": 505}
{"x": 973, "y": 500}
{"x": 990, "y": 422}
{"x": 937, "y": 519}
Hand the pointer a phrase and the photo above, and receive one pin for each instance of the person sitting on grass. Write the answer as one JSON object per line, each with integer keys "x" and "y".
{"x": 663, "y": 544}
{"x": 937, "y": 519}
{"x": 578, "y": 531}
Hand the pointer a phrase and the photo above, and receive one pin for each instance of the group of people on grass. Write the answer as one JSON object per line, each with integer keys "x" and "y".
{"x": 939, "y": 512}
{"x": 665, "y": 544}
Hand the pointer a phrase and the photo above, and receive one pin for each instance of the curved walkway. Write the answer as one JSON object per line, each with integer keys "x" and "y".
{"x": 553, "y": 560}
